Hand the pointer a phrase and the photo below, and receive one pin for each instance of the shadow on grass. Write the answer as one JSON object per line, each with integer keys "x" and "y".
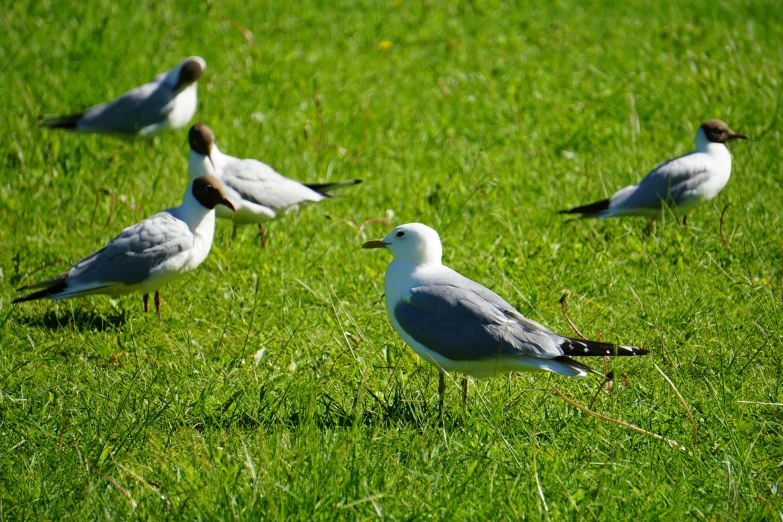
{"x": 79, "y": 319}
{"x": 397, "y": 410}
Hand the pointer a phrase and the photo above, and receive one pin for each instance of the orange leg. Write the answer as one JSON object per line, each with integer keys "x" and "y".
{"x": 652, "y": 220}
{"x": 441, "y": 393}
{"x": 262, "y": 235}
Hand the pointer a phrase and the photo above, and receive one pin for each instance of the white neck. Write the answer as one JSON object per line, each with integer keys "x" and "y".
{"x": 721, "y": 156}
{"x": 199, "y": 164}
{"x": 398, "y": 279}
{"x": 194, "y": 214}
{"x": 201, "y": 222}
{"x": 432, "y": 255}
{"x": 403, "y": 274}
{"x": 184, "y": 106}
{"x": 720, "y": 165}
{"x": 426, "y": 254}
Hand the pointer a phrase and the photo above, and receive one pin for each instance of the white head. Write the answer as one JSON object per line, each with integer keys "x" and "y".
{"x": 412, "y": 242}
{"x": 186, "y": 73}
{"x": 715, "y": 131}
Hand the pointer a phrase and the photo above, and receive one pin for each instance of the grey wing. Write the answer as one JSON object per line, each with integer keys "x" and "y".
{"x": 261, "y": 184}
{"x": 670, "y": 182}
{"x": 450, "y": 277}
{"x": 129, "y": 258}
{"x": 460, "y": 324}
{"x": 131, "y": 112}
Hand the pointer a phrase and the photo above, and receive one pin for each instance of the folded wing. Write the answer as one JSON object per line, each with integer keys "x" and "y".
{"x": 127, "y": 260}
{"x": 464, "y": 321}
{"x": 130, "y": 113}
{"x": 259, "y": 183}
{"x": 672, "y": 182}
{"x": 461, "y": 320}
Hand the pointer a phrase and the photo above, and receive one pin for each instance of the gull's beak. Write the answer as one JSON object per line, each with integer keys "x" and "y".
{"x": 228, "y": 204}
{"x": 375, "y": 243}
{"x": 212, "y": 162}
{"x": 735, "y": 136}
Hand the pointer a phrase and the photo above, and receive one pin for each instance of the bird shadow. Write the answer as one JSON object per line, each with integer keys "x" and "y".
{"x": 78, "y": 319}
{"x": 274, "y": 410}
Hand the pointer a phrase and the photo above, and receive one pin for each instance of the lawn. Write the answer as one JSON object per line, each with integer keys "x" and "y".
{"x": 274, "y": 385}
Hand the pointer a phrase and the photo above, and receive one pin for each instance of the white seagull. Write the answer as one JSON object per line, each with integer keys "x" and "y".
{"x": 167, "y": 102}
{"x": 147, "y": 255}
{"x": 681, "y": 183}
{"x": 460, "y": 326}
{"x": 258, "y": 192}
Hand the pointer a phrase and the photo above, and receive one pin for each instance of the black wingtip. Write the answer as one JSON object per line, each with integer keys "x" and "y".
{"x": 56, "y": 288}
{"x": 576, "y": 365}
{"x": 59, "y": 121}
{"x": 325, "y": 188}
{"x": 580, "y": 348}
{"x": 636, "y": 351}
{"x": 591, "y": 209}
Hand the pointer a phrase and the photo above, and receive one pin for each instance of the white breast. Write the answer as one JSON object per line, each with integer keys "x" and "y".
{"x": 397, "y": 284}
{"x": 184, "y": 107}
{"x": 400, "y": 277}
{"x": 199, "y": 165}
{"x": 720, "y": 171}
{"x": 203, "y": 236}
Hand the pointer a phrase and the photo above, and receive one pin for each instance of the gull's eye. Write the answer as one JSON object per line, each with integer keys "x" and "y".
{"x": 400, "y": 233}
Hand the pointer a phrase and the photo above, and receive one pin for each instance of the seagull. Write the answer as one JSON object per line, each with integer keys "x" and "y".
{"x": 459, "y": 325}
{"x": 681, "y": 183}
{"x": 147, "y": 255}
{"x": 259, "y": 193}
{"x": 167, "y": 102}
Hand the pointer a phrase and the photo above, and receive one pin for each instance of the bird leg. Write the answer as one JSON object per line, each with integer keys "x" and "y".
{"x": 262, "y": 235}
{"x": 234, "y": 231}
{"x": 720, "y": 229}
{"x": 650, "y": 223}
{"x": 441, "y": 392}
{"x": 465, "y": 382}
{"x": 157, "y": 303}
{"x": 146, "y": 298}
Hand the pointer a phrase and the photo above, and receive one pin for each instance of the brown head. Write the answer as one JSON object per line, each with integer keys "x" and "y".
{"x": 208, "y": 190}
{"x": 201, "y": 140}
{"x": 190, "y": 71}
{"x": 717, "y": 131}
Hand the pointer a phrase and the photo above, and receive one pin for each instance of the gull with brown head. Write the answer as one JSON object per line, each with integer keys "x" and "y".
{"x": 258, "y": 191}
{"x": 681, "y": 183}
{"x": 147, "y": 255}
{"x": 167, "y": 102}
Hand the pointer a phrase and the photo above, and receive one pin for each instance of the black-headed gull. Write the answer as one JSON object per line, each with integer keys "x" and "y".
{"x": 681, "y": 183}
{"x": 460, "y": 326}
{"x": 258, "y": 192}
{"x": 147, "y": 255}
{"x": 167, "y": 102}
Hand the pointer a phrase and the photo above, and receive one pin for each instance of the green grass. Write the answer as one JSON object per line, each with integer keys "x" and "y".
{"x": 481, "y": 120}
